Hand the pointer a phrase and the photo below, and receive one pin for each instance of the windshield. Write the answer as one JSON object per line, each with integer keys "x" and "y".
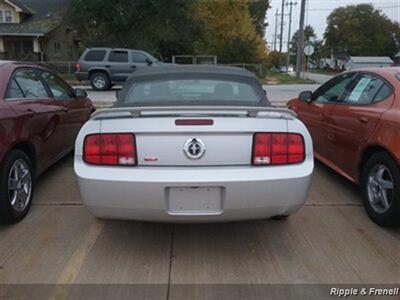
{"x": 192, "y": 92}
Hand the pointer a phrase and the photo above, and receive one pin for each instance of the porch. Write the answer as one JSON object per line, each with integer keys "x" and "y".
{"x": 26, "y": 48}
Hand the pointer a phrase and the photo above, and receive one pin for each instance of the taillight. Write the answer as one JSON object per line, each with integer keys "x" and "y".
{"x": 77, "y": 67}
{"x": 110, "y": 149}
{"x": 277, "y": 149}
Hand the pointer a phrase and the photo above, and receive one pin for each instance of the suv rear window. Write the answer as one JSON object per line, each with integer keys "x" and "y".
{"x": 95, "y": 55}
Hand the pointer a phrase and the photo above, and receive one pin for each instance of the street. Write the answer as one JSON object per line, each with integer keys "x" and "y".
{"x": 331, "y": 240}
{"x": 319, "y": 78}
{"x": 280, "y": 94}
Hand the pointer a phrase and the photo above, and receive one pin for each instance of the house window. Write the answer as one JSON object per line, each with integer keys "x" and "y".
{"x": 57, "y": 49}
{"x": 8, "y": 16}
{"x": 1, "y": 16}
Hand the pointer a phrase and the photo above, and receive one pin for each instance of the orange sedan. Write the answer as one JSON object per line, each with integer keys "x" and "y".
{"x": 354, "y": 120}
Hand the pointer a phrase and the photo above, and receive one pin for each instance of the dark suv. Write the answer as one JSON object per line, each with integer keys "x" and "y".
{"x": 105, "y": 66}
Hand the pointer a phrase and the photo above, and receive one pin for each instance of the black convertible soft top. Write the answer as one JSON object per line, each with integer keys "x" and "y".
{"x": 179, "y": 69}
{"x": 172, "y": 71}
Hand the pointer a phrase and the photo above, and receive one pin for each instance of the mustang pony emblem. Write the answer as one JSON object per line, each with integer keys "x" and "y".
{"x": 194, "y": 148}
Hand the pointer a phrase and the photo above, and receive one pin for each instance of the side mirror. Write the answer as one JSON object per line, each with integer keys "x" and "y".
{"x": 79, "y": 93}
{"x": 149, "y": 61}
{"x": 306, "y": 96}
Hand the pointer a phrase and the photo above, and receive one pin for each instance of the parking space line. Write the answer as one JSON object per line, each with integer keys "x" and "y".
{"x": 71, "y": 270}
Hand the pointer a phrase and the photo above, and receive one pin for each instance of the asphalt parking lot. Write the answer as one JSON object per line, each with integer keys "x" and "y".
{"x": 330, "y": 241}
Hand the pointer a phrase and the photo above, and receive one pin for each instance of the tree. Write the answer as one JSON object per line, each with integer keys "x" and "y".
{"x": 258, "y": 10}
{"x": 321, "y": 51}
{"x": 275, "y": 59}
{"x": 157, "y": 26}
{"x": 360, "y": 30}
{"x": 229, "y": 31}
{"x": 394, "y": 28}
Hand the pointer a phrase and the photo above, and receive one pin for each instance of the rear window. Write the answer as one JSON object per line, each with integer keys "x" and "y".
{"x": 364, "y": 90}
{"x": 193, "y": 92}
{"x": 384, "y": 93}
{"x": 95, "y": 55}
{"x": 118, "y": 56}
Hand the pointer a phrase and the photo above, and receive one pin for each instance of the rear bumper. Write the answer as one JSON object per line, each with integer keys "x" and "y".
{"x": 143, "y": 193}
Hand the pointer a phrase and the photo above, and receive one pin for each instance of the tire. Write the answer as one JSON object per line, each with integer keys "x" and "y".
{"x": 100, "y": 81}
{"x": 380, "y": 188}
{"x": 22, "y": 189}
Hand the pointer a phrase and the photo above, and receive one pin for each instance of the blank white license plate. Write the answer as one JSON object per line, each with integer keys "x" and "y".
{"x": 194, "y": 200}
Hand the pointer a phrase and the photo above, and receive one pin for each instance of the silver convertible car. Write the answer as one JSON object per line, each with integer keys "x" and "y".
{"x": 193, "y": 144}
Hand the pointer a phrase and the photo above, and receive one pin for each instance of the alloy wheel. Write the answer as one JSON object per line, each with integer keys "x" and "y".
{"x": 20, "y": 185}
{"x": 99, "y": 82}
{"x": 380, "y": 187}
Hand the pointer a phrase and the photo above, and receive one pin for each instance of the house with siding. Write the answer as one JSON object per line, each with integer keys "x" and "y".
{"x": 357, "y": 62}
{"x": 37, "y": 30}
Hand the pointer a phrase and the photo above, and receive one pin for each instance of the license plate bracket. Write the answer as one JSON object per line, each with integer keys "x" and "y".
{"x": 194, "y": 200}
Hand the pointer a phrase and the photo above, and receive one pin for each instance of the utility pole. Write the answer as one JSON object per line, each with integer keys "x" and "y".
{"x": 281, "y": 37}
{"x": 300, "y": 44}
{"x": 276, "y": 28}
{"x": 290, "y": 4}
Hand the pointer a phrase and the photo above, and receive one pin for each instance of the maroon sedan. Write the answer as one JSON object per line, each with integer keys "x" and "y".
{"x": 40, "y": 116}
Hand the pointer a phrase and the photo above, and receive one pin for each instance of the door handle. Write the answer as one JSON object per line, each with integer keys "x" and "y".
{"x": 107, "y": 66}
{"x": 363, "y": 119}
{"x": 323, "y": 114}
{"x": 30, "y": 113}
{"x": 64, "y": 109}
{"x": 133, "y": 67}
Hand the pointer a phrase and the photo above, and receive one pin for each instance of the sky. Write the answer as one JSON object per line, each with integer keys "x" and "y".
{"x": 317, "y": 12}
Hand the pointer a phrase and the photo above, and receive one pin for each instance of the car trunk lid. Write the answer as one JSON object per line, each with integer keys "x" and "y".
{"x": 194, "y": 138}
